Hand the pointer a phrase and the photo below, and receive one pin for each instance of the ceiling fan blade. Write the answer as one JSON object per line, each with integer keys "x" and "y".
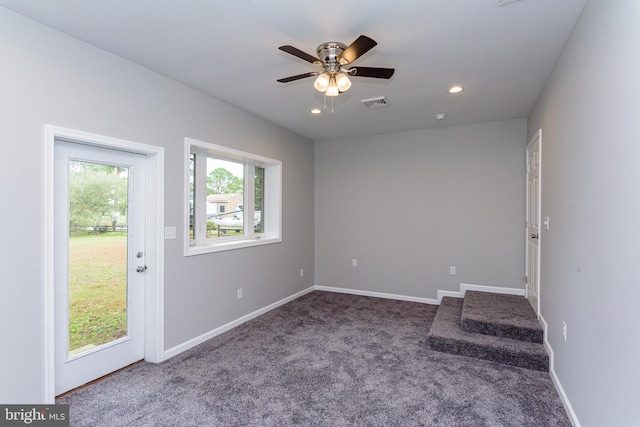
{"x": 298, "y": 77}
{"x": 378, "y": 73}
{"x": 300, "y": 54}
{"x": 362, "y": 45}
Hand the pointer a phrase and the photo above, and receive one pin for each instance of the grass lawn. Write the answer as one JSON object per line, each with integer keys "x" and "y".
{"x": 97, "y": 289}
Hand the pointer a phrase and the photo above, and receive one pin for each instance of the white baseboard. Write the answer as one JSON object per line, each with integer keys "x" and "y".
{"x": 554, "y": 377}
{"x": 224, "y": 328}
{"x": 376, "y": 294}
{"x": 464, "y": 287}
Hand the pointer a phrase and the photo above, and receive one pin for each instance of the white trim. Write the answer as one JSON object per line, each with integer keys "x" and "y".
{"x": 173, "y": 351}
{"x": 49, "y": 388}
{"x": 464, "y": 287}
{"x": 154, "y": 298}
{"x": 554, "y": 377}
{"x": 228, "y": 245}
{"x": 230, "y": 152}
{"x": 154, "y": 290}
{"x": 536, "y": 137}
{"x": 376, "y": 294}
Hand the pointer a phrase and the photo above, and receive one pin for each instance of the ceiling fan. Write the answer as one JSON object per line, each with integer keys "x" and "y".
{"x": 334, "y": 57}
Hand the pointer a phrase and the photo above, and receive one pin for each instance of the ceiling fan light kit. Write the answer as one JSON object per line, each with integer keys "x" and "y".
{"x": 322, "y": 82}
{"x": 332, "y": 56}
{"x": 343, "y": 82}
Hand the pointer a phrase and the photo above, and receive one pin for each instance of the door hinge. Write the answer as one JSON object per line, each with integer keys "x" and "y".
{"x": 526, "y": 279}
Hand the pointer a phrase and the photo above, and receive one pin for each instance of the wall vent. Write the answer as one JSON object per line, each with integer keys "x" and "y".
{"x": 504, "y": 2}
{"x": 377, "y": 102}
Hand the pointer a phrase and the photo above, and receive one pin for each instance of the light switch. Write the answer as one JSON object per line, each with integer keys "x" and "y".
{"x": 546, "y": 223}
{"x": 169, "y": 233}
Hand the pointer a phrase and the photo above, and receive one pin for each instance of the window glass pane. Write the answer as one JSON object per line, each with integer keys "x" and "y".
{"x": 192, "y": 194}
{"x": 225, "y": 188}
{"x": 258, "y": 215}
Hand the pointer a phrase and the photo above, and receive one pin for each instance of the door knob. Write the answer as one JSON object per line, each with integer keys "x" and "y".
{"x": 534, "y": 236}
{"x": 141, "y": 268}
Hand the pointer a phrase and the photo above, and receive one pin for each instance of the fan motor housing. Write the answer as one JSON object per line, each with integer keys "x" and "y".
{"x": 330, "y": 51}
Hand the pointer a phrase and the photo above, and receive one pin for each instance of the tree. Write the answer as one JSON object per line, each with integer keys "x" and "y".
{"x": 221, "y": 181}
{"x": 96, "y": 191}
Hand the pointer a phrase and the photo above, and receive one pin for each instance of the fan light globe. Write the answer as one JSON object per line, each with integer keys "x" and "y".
{"x": 343, "y": 82}
{"x": 332, "y": 90}
{"x": 322, "y": 82}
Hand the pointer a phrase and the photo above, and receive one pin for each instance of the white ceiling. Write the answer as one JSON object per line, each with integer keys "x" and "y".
{"x": 228, "y": 49}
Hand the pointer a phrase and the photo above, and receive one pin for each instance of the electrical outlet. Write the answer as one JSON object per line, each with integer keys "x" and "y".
{"x": 452, "y": 270}
{"x": 354, "y": 262}
{"x": 564, "y": 331}
{"x": 301, "y": 272}
{"x": 240, "y": 293}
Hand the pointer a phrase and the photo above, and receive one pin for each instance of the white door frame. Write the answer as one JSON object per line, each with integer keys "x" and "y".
{"x": 154, "y": 241}
{"x": 536, "y": 137}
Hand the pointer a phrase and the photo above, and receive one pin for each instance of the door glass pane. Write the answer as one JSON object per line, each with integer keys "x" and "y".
{"x": 98, "y": 196}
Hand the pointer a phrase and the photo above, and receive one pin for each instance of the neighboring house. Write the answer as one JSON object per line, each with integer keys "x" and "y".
{"x": 223, "y": 204}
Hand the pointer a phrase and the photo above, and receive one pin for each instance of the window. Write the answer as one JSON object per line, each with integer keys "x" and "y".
{"x": 233, "y": 198}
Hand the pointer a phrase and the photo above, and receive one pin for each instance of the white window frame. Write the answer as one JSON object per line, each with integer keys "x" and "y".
{"x": 272, "y": 200}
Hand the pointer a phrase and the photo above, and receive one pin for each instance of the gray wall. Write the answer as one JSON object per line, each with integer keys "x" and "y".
{"x": 47, "y": 77}
{"x": 409, "y": 205}
{"x": 588, "y": 113}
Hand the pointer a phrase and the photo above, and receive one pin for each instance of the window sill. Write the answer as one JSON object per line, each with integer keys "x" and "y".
{"x": 229, "y": 246}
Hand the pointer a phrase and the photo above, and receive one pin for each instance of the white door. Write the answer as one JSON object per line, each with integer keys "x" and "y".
{"x": 99, "y": 261}
{"x": 533, "y": 222}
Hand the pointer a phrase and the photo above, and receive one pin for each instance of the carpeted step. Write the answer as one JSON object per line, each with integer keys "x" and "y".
{"x": 509, "y": 316}
{"x": 445, "y": 335}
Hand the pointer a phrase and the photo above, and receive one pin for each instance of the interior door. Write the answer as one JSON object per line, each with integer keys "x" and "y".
{"x": 533, "y": 222}
{"x": 99, "y": 227}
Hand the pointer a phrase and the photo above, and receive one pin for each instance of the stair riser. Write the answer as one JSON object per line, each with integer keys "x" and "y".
{"x": 445, "y": 345}
{"x": 520, "y": 334}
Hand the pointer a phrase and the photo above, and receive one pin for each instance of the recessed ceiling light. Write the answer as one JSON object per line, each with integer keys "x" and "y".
{"x": 440, "y": 116}
{"x": 316, "y": 111}
{"x": 456, "y": 89}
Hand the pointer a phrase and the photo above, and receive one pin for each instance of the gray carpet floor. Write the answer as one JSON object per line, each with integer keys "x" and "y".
{"x": 324, "y": 359}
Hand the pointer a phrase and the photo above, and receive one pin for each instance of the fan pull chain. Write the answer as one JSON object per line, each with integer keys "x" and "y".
{"x": 325, "y": 102}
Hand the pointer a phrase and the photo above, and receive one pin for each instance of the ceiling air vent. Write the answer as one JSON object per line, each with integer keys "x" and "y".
{"x": 377, "y": 102}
